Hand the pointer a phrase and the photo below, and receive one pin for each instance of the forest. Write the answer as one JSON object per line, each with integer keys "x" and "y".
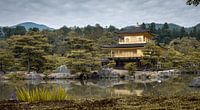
{"x": 79, "y": 48}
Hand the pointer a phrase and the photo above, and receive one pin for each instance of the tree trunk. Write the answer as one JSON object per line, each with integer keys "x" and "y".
{"x": 1, "y": 68}
{"x": 1, "y": 65}
{"x": 29, "y": 65}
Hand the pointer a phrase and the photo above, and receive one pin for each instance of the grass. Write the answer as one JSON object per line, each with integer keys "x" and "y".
{"x": 41, "y": 94}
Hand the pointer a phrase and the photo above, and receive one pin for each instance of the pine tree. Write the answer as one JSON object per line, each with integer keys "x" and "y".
{"x": 166, "y": 33}
{"x": 183, "y": 33}
{"x": 152, "y": 28}
{"x": 82, "y": 55}
{"x": 30, "y": 49}
{"x": 7, "y": 60}
{"x": 193, "y": 2}
{"x": 152, "y": 55}
{"x": 143, "y": 26}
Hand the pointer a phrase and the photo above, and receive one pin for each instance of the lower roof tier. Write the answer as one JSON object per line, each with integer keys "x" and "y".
{"x": 125, "y": 45}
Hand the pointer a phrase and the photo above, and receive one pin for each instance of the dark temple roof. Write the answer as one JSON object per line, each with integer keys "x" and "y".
{"x": 125, "y": 45}
{"x": 132, "y": 29}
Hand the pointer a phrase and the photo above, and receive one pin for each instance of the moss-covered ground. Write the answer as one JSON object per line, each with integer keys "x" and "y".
{"x": 121, "y": 103}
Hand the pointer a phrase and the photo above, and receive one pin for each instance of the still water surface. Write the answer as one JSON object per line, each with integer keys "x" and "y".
{"x": 106, "y": 88}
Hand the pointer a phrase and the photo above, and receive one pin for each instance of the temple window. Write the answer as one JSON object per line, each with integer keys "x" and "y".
{"x": 127, "y": 40}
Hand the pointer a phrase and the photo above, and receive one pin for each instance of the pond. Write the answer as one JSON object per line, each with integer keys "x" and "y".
{"x": 105, "y": 88}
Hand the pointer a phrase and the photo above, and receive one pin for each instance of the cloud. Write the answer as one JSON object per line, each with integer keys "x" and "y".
{"x": 57, "y": 13}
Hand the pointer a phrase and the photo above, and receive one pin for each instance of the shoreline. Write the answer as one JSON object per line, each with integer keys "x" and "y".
{"x": 131, "y": 102}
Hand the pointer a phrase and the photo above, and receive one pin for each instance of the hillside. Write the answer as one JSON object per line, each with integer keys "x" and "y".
{"x": 172, "y": 26}
{"x": 29, "y": 25}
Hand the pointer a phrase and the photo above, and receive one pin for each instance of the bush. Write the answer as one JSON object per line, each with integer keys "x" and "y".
{"x": 131, "y": 67}
{"x": 111, "y": 64}
{"x": 41, "y": 94}
{"x": 16, "y": 76}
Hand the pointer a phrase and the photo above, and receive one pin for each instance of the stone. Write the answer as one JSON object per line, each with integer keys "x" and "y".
{"x": 62, "y": 72}
{"x": 195, "y": 82}
{"x": 107, "y": 73}
{"x": 62, "y": 69}
{"x": 58, "y": 75}
{"x": 2, "y": 73}
{"x": 34, "y": 76}
{"x": 168, "y": 73}
{"x": 4, "y": 78}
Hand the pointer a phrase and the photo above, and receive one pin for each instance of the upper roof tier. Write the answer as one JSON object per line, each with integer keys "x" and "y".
{"x": 134, "y": 31}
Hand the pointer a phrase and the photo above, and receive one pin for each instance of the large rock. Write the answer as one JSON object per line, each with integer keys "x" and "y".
{"x": 107, "y": 73}
{"x": 195, "y": 82}
{"x": 1, "y": 73}
{"x": 59, "y": 76}
{"x": 168, "y": 73}
{"x": 4, "y": 77}
{"x": 62, "y": 72}
{"x": 62, "y": 69}
{"x": 34, "y": 76}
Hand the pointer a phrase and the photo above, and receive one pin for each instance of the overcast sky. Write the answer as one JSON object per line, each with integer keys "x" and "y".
{"x": 56, "y": 13}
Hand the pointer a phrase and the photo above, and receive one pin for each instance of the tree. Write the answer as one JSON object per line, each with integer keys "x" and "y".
{"x": 112, "y": 29}
{"x": 143, "y": 26}
{"x": 172, "y": 59}
{"x": 82, "y": 55}
{"x": 7, "y": 60}
{"x": 193, "y": 2}
{"x": 19, "y": 30}
{"x": 82, "y": 61}
{"x": 183, "y": 33}
{"x": 184, "y": 54}
{"x": 194, "y": 32}
{"x": 30, "y": 49}
{"x": 34, "y": 29}
{"x": 152, "y": 28}
{"x": 7, "y": 32}
{"x": 152, "y": 55}
{"x": 131, "y": 67}
{"x": 166, "y": 33}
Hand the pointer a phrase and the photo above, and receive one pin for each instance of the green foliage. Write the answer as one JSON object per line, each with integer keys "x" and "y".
{"x": 34, "y": 29}
{"x": 80, "y": 48}
{"x": 30, "y": 49}
{"x": 183, "y": 54}
{"x": 82, "y": 55}
{"x": 171, "y": 59}
{"x": 19, "y": 30}
{"x": 111, "y": 64}
{"x": 82, "y": 61}
{"x": 9, "y": 31}
{"x": 53, "y": 61}
{"x": 16, "y": 76}
{"x": 131, "y": 67}
{"x": 152, "y": 55}
{"x": 7, "y": 60}
{"x": 193, "y": 2}
{"x": 41, "y": 94}
{"x": 43, "y": 51}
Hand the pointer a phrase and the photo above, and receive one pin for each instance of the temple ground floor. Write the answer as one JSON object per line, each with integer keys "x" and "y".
{"x": 120, "y": 62}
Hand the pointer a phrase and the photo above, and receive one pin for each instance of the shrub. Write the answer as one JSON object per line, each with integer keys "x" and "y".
{"x": 131, "y": 67}
{"x": 41, "y": 94}
{"x": 16, "y": 76}
{"x": 111, "y": 64}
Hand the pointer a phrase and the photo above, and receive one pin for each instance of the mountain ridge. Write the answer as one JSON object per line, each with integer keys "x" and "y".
{"x": 29, "y": 25}
{"x": 172, "y": 26}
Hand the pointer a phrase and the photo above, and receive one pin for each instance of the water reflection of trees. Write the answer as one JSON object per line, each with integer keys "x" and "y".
{"x": 105, "y": 88}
